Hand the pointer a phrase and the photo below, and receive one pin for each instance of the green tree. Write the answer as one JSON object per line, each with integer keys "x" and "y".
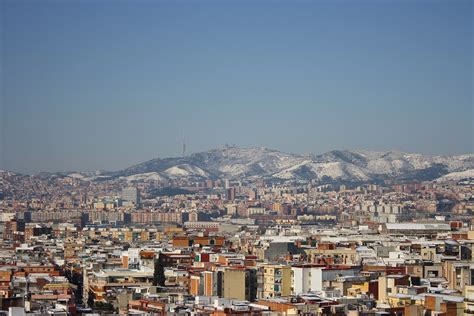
{"x": 104, "y": 306}
{"x": 159, "y": 273}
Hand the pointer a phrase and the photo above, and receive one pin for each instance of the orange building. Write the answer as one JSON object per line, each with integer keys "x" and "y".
{"x": 194, "y": 283}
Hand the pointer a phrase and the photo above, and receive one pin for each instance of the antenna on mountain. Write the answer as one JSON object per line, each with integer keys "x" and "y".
{"x": 184, "y": 148}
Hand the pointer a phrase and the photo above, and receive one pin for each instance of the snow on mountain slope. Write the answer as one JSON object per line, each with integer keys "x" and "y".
{"x": 186, "y": 170}
{"x": 148, "y": 176}
{"x": 249, "y": 163}
{"x": 237, "y": 163}
{"x": 174, "y": 172}
{"x": 454, "y": 163}
{"x": 309, "y": 170}
{"x": 466, "y": 174}
{"x": 77, "y": 175}
{"x": 5, "y": 173}
{"x": 371, "y": 165}
{"x": 395, "y": 162}
{"x": 177, "y": 171}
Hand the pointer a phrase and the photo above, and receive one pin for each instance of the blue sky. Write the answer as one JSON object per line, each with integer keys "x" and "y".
{"x": 105, "y": 84}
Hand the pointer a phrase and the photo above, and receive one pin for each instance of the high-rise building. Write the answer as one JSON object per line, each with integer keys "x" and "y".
{"x": 231, "y": 209}
{"x": 230, "y": 194}
{"x": 131, "y": 195}
{"x": 273, "y": 281}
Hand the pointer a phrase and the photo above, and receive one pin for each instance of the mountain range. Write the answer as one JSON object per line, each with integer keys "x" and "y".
{"x": 337, "y": 166}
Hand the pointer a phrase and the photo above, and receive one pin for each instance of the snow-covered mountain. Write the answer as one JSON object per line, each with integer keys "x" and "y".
{"x": 334, "y": 166}
{"x": 6, "y": 173}
{"x": 456, "y": 176}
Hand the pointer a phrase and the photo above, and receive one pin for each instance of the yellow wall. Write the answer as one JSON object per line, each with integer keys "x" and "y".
{"x": 286, "y": 281}
{"x": 382, "y": 289}
{"x": 470, "y": 235}
{"x": 234, "y": 284}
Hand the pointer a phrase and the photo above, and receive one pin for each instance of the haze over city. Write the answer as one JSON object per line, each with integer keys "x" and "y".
{"x": 237, "y": 157}
{"x": 92, "y": 85}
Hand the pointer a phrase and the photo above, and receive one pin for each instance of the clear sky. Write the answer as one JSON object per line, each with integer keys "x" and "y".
{"x": 106, "y": 84}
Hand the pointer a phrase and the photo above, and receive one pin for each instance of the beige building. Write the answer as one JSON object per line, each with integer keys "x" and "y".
{"x": 233, "y": 284}
{"x": 458, "y": 273}
{"x": 469, "y": 300}
{"x": 337, "y": 256}
{"x": 273, "y": 281}
{"x": 388, "y": 286}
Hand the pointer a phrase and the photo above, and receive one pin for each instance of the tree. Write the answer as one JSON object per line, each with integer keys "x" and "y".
{"x": 159, "y": 273}
{"x": 104, "y": 306}
{"x": 261, "y": 230}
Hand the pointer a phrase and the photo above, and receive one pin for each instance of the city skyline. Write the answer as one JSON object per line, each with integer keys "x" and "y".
{"x": 238, "y": 157}
{"x": 102, "y": 85}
